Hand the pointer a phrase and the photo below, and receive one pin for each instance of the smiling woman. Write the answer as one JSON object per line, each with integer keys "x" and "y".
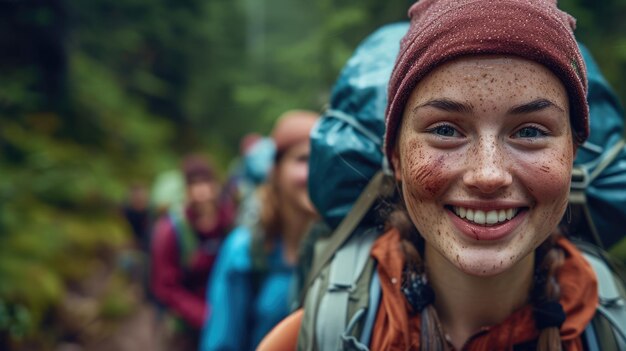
{"x": 483, "y": 156}
{"x": 249, "y": 289}
{"x": 482, "y": 129}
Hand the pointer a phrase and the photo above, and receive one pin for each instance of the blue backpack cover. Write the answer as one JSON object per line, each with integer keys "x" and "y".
{"x": 606, "y": 187}
{"x": 346, "y": 144}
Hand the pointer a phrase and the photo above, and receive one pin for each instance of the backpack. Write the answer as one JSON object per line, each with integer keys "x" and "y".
{"x": 186, "y": 239}
{"x": 349, "y": 177}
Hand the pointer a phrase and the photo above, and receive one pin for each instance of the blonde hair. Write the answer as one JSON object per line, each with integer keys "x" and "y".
{"x": 270, "y": 218}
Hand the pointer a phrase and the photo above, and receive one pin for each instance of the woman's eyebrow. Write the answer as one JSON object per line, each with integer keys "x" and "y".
{"x": 446, "y": 105}
{"x": 534, "y": 106}
{"x": 449, "y": 105}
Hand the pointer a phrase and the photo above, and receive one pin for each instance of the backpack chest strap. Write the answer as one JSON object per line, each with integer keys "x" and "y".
{"x": 367, "y": 316}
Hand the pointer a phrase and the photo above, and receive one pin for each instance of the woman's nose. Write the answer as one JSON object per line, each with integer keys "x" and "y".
{"x": 487, "y": 169}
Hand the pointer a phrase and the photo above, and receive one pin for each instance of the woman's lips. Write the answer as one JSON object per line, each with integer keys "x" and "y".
{"x": 488, "y": 231}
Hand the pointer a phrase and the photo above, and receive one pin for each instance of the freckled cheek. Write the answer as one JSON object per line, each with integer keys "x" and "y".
{"x": 426, "y": 173}
{"x": 547, "y": 177}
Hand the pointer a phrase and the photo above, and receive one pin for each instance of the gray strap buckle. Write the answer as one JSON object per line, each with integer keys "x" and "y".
{"x": 580, "y": 178}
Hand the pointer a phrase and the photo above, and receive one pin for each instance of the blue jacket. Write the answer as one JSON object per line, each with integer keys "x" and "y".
{"x": 239, "y": 317}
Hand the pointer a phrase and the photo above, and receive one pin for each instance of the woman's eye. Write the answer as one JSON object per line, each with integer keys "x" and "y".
{"x": 530, "y": 132}
{"x": 444, "y": 130}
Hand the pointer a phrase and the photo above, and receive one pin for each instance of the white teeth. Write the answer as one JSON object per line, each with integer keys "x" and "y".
{"x": 482, "y": 217}
{"x": 492, "y": 217}
{"x": 479, "y": 217}
{"x": 502, "y": 216}
{"x": 462, "y": 212}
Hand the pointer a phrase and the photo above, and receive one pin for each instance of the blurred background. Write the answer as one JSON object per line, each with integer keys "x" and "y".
{"x": 99, "y": 97}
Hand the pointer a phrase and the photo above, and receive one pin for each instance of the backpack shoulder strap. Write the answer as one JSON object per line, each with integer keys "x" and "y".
{"x": 186, "y": 239}
{"x": 380, "y": 185}
{"x": 607, "y": 330}
{"x": 339, "y": 294}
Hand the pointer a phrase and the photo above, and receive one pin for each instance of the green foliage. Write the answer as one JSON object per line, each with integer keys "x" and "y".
{"x": 73, "y": 136}
{"x": 600, "y": 26}
{"x": 14, "y": 318}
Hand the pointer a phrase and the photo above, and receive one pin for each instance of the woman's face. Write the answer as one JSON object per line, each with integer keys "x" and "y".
{"x": 202, "y": 192}
{"x": 484, "y": 155}
{"x": 292, "y": 173}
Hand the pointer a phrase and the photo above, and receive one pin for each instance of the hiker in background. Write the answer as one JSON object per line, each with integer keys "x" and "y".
{"x": 257, "y": 163}
{"x": 236, "y": 182}
{"x": 248, "y": 172}
{"x": 487, "y": 107}
{"x": 136, "y": 211}
{"x": 185, "y": 243}
{"x": 249, "y": 290}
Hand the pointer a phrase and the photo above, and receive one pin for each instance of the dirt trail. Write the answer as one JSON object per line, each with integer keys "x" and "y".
{"x": 138, "y": 328}
{"x": 140, "y": 331}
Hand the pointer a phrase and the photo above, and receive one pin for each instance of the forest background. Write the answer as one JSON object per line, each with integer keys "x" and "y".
{"x": 98, "y": 95}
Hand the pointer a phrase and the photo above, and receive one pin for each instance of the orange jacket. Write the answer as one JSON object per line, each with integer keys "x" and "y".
{"x": 395, "y": 329}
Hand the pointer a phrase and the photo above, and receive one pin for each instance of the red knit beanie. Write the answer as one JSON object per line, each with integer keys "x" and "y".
{"x": 292, "y": 127}
{"x": 196, "y": 168}
{"x": 442, "y": 30}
